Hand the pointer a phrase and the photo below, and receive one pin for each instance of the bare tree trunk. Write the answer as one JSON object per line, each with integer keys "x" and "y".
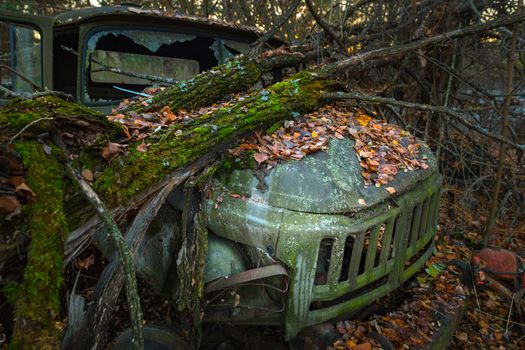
{"x": 504, "y": 127}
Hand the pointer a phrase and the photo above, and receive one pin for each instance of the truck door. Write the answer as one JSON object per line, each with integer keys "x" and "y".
{"x": 26, "y": 43}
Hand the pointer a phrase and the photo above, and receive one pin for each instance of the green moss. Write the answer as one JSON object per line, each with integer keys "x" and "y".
{"x": 20, "y": 112}
{"x": 37, "y": 298}
{"x": 274, "y": 127}
{"x": 127, "y": 177}
{"x": 237, "y": 74}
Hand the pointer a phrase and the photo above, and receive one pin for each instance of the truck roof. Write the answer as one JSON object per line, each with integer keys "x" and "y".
{"x": 89, "y": 14}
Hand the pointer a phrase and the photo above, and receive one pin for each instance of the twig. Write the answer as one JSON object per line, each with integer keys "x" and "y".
{"x": 27, "y": 127}
{"x": 24, "y": 78}
{"x": 443, "y": 125}
{"x": 509, "y": 86}
{"x": 412, "y": 46}
{"x": 510, "y": 313}
{"x": 270, "y": 33}
{"x": 455, "y": 114}
{"x": 11, "y": 93}
{"x": 351, "y": 8}
{"x": 107, "y": 68}
{"x": 499, "y": 318}
{"x": 324, "y": 25}
{"x": 124, "y": 253}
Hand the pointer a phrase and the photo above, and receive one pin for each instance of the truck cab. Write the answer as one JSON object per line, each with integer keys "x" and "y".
{"x": 103, "y": 55}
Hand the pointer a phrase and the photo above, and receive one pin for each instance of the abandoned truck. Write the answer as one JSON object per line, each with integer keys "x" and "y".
{"x": 308, "y": 243}
{"x": 87, "y": 52}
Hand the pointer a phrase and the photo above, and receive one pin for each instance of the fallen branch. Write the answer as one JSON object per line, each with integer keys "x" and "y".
{"x": 437, "y": 109}
{"x": 112, "y": 280}
{"x": 124, "y": 252}
{"x": 106, "y": 68}
{"x": 23, "y": 77}
{"x": 11, "y": 93}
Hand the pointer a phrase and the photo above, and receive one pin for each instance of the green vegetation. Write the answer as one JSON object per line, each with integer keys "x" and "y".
{"x": 37, "y": 297}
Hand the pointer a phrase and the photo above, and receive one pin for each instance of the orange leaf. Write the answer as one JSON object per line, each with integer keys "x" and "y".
{"x": 391, "y": 190}
{"x": 364, "y": 346}
{"x": 364, "y": 119}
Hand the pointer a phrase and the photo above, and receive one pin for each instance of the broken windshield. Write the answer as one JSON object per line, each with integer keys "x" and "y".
{"x": 131, "y": 59}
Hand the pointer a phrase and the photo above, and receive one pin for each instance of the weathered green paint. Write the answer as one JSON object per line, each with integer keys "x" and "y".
{"x": 323, "y": 182}
{"x": 276, "y": 221}
{"x": 37, "y": 298}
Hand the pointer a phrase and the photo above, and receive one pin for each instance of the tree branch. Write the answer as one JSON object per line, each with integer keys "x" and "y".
{"x": 328, "y": 30}
{"x": 106, "y": 68}
{"x": 126, "y": 259}
{"x": 424, "y": 107}
{"x": 412, "y": 46}
{"x": 270, "y": 33}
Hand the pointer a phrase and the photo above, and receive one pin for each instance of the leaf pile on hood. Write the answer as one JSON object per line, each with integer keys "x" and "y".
{"x": 383, "y": 149}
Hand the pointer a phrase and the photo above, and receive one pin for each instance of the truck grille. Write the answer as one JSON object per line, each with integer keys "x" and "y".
{"x": 374, "y": 256}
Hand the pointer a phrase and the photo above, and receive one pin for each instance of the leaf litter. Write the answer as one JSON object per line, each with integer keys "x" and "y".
{"x": 14, "y": 192}
{"x": 383, "y": 149}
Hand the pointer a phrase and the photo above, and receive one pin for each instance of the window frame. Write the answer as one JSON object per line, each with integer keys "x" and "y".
{"x": 87, "y": 31}
{"x": 44, "y": 25}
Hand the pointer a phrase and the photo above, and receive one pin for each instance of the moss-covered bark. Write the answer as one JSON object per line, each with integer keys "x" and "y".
{"x": 237, "y": 74}
{"x": 37, "y": 297}
{"x": 182, "y": 144}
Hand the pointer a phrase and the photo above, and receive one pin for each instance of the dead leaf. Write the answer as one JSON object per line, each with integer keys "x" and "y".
{"x": 364, "y": 346}
{"x": 84, "y": 264}
{"x": 142, "y": 147}
{"x": 260, "y": 157}
{"x": 350, "y": 343}
{"x": 361, "y": 201}
{"x": 364, "y": 119}
{"x": 9, "y": 205}
{"x": 462, "y": 336}
{"x": 29, "y": 195}
{"x": 87, "y": 175}
{"x": 391, "y": 190}
{"x": 111, "y": 150}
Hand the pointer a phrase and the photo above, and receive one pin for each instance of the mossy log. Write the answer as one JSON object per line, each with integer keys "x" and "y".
{"x": 236, "y": 75}
{"x": 28, "y": 123}
{"x": 37, "y": 297}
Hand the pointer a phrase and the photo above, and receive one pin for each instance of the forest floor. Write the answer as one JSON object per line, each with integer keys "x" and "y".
{"x": 490, "y": 320}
